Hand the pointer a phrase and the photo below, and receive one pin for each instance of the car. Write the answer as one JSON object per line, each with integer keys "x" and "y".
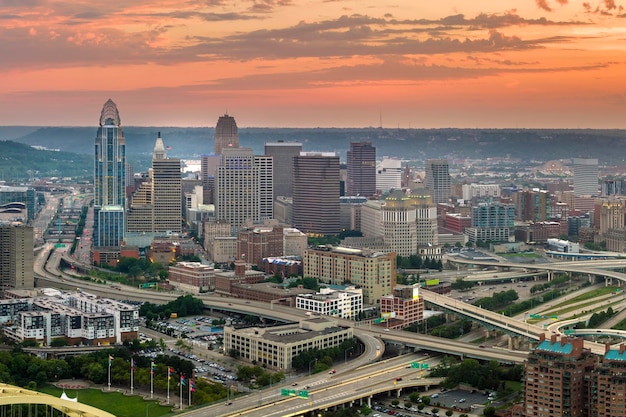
{"x": 295, "y": 384}
{"x": 386, "y": 329}
{"x": 482, "y": 346}
{"x": 228, "y": 403}
{"x": 435, "y": 395}
{"x": 462, "y": 400}
{"x": 332, "y": 371}
{"x": 398, "y": 379}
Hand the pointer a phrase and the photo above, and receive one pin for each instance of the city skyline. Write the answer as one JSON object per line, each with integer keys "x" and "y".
{"x": 324, "y": 63}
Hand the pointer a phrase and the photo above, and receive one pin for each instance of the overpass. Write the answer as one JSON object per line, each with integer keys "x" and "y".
{"x": 12, "y": 396}
{"x": 591, "y": 267}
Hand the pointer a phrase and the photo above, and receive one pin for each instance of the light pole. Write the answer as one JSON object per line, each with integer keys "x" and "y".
{"x": 314, "y": 360}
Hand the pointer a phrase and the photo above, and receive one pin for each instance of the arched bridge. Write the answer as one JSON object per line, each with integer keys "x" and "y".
{"x": 11, "y": 395}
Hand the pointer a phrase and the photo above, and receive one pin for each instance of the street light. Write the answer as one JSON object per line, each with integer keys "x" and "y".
{"x": 314, "y": 360}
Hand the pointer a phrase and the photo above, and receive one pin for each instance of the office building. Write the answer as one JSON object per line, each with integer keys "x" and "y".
{"x": 192, "y": 277}
{"x": 389, "y": 174}
{"x": 615, "y": 186}
{"x": 471, "y": 191}
{"x": 166, "y": 191}
{"x": 237, "y": 188}
{"x": 109, "y": 178}
{"x": 258, "y": 241}
{"x": 394, "y": 219}
{"x": 611, "y": 216}
{"x": 427, "y": 231}
{"x": 374, "y": 272}
{"x": 361, "y": 169}
{"x": 585, "y": 177}
{"x": 155, "y": 207}
{"x": 283, "y": 154}
{"x": 437, "y": 180}
{"x": 16, "y": 257}
{"x": 208, "y": 168}
{"x": 275, "y": 347}
{"x": 265, "y": 166}
{"x": 342, "y": 302}
{"x": 226, "y": 134}
{"x": 316, "y": 193}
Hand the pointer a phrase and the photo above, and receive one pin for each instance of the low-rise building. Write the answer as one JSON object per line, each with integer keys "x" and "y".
{"x": 193, "y": 277}
{"x": 402, "y": 308}
{"x": 345, "y": 302}
{"x": 225, "y": 280}
{"x": 275, "y": 347}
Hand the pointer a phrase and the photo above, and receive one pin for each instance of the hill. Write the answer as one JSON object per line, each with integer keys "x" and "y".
{"x": 19, "y": 162}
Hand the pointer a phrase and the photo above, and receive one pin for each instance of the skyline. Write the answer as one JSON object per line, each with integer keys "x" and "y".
{"x": 318, "y": 63}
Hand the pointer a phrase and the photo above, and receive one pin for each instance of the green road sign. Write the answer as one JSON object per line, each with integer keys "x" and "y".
{"x": 415, "y": 365}
{"x": 59, "y": 245}
{"x": 287, "y": 392}
{"x": 424, "y": 366}
{"x": 303, "y": 394}
{"x": 535, "y": 316}
{"x": 569, "y": 331}
{"x": 380, "y": 320}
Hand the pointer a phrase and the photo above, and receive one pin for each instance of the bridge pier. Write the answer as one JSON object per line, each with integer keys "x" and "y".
{"x": 550, "y": 276}
{"x": 398, "y": 392}
{"x": 369, "y": 401}
{"x": 608, "y": 281}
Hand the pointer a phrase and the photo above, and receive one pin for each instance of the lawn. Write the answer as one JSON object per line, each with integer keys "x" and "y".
{"x": 113, "y": 402}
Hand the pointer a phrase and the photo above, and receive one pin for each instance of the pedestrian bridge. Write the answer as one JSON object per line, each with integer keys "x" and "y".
{"x": 28, "y": 403}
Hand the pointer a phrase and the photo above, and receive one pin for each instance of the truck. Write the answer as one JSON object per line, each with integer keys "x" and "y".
{"x": 174, "y": 315}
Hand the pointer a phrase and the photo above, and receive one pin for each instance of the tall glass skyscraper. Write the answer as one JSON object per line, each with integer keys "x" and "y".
{"x": 438, "y": 180}
{"x": 109, "y": 178}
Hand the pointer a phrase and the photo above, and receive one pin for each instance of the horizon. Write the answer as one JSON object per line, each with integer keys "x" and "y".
{"x": 532, "y": 64}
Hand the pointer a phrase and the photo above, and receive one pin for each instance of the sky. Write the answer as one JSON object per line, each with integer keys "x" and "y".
{"x": 315, "y": 63}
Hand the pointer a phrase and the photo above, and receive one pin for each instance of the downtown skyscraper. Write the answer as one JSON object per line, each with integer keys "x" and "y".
{"x": 438, "y": 180}
{"x": 361, "y": 169}
{"x": 226, "y": 134}
{"x": 109, "y": 179}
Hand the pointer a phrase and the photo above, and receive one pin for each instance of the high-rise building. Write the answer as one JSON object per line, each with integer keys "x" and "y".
{"x": 556, "y": 374}
{"x": 226, "y": 134}
{"x": 208, "y": 167}
{"x": 611, "y": 215}
{"x": 427, "y": 228}
{"x": 156, "y": 205}
{"x": 437, "y": 180}
{"x": 361, "y": 169}
{"x": 389, "y": 174}
{"x": 237, "y": 188}
{"x": 492, "y": 222}
{"x": 283, "y": 154}
{"x": 316, "y": 207}
{"x": 585, "y": 176}
{"x": 16, "y": 257}
{"x": 533, "y": 205}
{"x": 166, "y": 190}
{"x": 109, "y": 177}
{"x": 265, "y": 163}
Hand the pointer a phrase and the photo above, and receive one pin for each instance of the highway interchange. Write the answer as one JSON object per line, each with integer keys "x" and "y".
{"x": 361, "y": 377}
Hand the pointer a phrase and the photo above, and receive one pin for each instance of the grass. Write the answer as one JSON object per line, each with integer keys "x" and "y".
{"x": 520, "y": 255}
{"x": 598, "y": 292}
{"x": 113, "y": 402}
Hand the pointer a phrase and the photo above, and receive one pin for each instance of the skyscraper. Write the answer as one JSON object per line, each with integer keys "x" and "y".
{"x": 156, "y": 205}
{"x": 585, "y": 176}
{"x": 166, "y": 190}
{"x": 226, "y": 134}
{"x": 237, "y": 196}
{"x": 438, "y": 180}
{"x": 109, "y": 177}
{"x": 16, "y": 257}
{"x": 361, "y": 169}
{"x": 316, "y": 208}
{"x": 283, "y": 154}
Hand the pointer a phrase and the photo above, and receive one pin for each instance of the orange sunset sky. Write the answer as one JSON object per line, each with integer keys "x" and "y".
{"x": 315, "y": 63}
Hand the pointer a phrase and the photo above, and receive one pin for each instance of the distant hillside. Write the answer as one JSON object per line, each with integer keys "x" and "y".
{"x": 17, "y": 159}
{"x": 609, "y": 146}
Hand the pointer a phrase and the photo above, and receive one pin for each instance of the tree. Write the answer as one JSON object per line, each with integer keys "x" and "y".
{"x": 489, "y": 412}
{"x": 449, "y": 413}
{"x": 469, "y": 244}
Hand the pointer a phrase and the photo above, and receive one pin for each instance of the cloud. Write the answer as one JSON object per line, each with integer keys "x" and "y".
{"x": 543, "y": 4}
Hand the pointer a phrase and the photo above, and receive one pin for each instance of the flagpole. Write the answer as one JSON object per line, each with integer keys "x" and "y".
{"x": 132, "y": 369}
{"x": 190, "y": 382}
{"x": 109, "y": 372}
{"x": 181, "y": 392}
{"x": 168, "y": 384}
{"x": 151, "y": 379}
